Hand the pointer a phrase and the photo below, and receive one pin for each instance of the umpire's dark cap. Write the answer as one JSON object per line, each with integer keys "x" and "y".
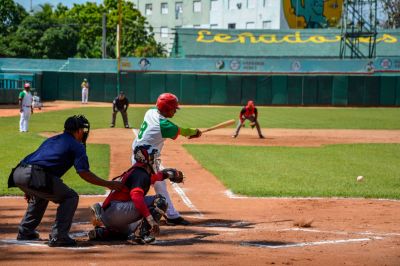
{"x": 76, "y": 122}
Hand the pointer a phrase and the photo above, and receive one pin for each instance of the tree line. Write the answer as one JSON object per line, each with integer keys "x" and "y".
{"x": 60, "y": 33}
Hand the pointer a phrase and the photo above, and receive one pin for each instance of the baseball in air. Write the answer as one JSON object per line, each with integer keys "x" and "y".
{"x": 360, "y": 178}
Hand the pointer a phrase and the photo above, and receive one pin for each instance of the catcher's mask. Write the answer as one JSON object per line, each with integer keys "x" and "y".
{"x": 147, "y": 155}
{"x": 75, "y": 123}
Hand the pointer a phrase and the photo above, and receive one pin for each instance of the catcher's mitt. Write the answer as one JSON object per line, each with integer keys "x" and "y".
{"x": 198, "y": 134}
{"x": 172, "y": 174}
{"x": 252, "y": 124}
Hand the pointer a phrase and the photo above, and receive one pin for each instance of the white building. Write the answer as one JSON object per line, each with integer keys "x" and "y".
{"x": 166, "y": 15}
{"x": 245, "y": 14}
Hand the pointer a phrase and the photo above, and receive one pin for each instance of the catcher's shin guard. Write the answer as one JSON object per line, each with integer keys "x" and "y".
{"x": 142, "y": 233}
{"x": 159, "y": 207}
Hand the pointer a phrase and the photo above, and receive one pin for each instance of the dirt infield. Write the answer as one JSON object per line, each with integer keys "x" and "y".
{"x": 227, "y": 229}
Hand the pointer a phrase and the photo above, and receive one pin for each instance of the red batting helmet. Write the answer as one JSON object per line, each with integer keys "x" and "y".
{"x": 27, "y": 85}
{"x": 167, "y": 102}
{"x": 250, "y": 105}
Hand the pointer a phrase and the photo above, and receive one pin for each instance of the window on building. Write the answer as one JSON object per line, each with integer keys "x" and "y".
{"x": 266, "y": 24}
{"x": 148, "y": 9}
{"x": 231, "y": 4}
{"x": 214, "y": 5}
{"x": 164, "y": 8}
{"x": 213, "y": 26}
{"x": 164, "y": 32}
{"x": 250, "y": 25}
{"x": 196, "y": 6}
{"x": 178, "y": 9}
{"x": 251, "y": 3}
{"x": 231, "y": 25}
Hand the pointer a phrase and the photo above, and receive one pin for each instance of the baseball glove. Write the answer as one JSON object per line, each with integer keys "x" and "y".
{"x": 252, "y": 124}
{"x": 198, "y": 134}
{"x": 172, "y": 174}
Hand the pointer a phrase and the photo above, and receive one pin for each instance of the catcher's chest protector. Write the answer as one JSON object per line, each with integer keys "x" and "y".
{"x": 122, "y": 195}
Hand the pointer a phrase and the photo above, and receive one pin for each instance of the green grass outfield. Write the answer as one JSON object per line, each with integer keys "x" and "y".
{"x": 15, "y": 145}
{"x": 328, "y": 171}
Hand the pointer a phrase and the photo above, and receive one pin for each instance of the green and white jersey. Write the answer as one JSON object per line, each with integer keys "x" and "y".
{"x": 154, "y": 130}
{"x": 26, "y": 98}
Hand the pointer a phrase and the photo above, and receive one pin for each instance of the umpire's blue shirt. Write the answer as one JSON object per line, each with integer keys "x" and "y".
{"x": 58, "y": 154}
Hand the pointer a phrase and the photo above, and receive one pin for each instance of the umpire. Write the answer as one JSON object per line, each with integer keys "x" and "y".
{"x": 39, "y": 176}
{"x": 120, "y": 104}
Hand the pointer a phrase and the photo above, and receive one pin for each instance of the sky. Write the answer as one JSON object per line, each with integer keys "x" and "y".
{"x": 35, "y": 3}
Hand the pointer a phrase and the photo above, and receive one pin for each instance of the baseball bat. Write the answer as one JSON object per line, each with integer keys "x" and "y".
{"x": 220, "y": 125}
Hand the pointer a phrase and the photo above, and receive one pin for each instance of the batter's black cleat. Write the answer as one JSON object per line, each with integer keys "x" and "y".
{"x": 177, "y": 221}
{"x": 34, "y": 236}
{"x": 62, "y": 242}
{"x": 262, "y": 137}
{"x": 127, "y": 126}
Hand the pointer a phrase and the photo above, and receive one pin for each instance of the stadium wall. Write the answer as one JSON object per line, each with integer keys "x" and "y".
{"x": 228, "y": 89}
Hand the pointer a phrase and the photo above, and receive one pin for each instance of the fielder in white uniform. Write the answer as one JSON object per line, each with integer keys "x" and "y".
{"x": 25, "y": 107}
{"x": 85, "y": 91}
{"x": 153, "y": 131}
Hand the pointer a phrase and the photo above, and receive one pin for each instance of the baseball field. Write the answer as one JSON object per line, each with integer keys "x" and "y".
{"x": 292, "y": 198}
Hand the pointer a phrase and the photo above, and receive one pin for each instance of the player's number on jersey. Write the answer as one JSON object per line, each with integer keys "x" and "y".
{"x": 143, "y": 127}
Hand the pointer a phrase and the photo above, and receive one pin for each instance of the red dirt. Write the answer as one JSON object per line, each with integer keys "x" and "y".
{"x": 225, "y": 230}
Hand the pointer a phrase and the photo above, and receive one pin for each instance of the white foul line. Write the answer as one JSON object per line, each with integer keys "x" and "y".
{"x": 185, "y": 199}
{"x": 340, "y": 241}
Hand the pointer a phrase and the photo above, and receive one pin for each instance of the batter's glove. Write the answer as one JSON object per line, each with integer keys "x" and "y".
{"x": 172, "y": 174}
{"x": 198, "y": 134}
{"x": 252, "y": 124}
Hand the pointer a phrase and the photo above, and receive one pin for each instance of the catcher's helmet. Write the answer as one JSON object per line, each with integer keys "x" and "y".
{"x": 27, "y": 85}
{"x": 145, "y": 154}
{"x": 167, "y": 102}
{"x": 73, "y": 123}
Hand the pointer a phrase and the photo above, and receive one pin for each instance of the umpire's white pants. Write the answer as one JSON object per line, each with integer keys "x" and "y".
{"x": 24, "y": 119}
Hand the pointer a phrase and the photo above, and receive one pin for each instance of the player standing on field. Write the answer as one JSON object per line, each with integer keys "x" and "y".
{"x": 85, "y": 91}
{"x": 153, "y": 131}
{"x": 25, "y": 107}
{"x": 250, "y": 113}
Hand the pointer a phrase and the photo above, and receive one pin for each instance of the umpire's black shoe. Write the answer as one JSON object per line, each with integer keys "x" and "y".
{"x": 62, "y": 242}
{"x": 177, "y": 221}
{"x": 32, "y": 236}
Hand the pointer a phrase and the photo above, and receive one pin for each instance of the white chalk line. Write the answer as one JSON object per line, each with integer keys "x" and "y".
{"x": 232, "y": 195}
{"x": 14, "y": 242}
{"x": 304, "y": 244}
{"x": 186, "y": 200}
{"x": 339, "y": 232}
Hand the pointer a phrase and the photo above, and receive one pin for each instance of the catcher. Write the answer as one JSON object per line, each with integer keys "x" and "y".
{"x": 250, "y": 113}
{"x": 118, "y": 216}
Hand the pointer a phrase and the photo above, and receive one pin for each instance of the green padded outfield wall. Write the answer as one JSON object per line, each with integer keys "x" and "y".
{"x": 227, "y": 89}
